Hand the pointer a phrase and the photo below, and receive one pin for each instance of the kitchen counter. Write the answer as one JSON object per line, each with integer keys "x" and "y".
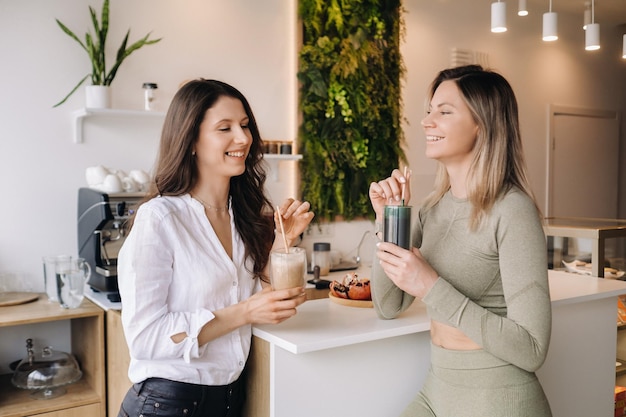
{"x": 323, "y": 324}
{"x": 117, "y": 356}
{"x": 335, "y": 360}
{"x": 101, "y": 300}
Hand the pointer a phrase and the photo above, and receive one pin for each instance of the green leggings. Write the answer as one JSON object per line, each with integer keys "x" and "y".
{"x": 476, "y": 384}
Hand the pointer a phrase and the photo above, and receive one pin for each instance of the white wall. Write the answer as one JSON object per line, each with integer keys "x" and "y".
{"x": 250, "y": 44}
{"x": 541, "y": 73}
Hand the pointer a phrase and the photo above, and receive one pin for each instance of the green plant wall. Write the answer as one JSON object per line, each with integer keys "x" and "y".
{"x": 350, "y": 98}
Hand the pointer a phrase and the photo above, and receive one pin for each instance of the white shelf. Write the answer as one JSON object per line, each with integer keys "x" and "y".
{"x": 274, "y": 158}
{"x": 282, "y": 157}
{"x": 81, "y": 114}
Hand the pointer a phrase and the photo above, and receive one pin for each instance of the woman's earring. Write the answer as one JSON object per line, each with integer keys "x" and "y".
{"x": 193, "y": 153}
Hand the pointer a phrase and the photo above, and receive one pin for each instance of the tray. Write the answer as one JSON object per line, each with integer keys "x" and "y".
{"x": 15, "y": 298}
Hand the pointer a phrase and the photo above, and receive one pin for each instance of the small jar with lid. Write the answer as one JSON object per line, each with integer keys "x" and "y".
{"x": 148, "y": 95}
{"x": 321, "y": 257}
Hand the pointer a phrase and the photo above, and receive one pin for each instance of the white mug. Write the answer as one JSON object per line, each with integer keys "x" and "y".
{"x": 129, "y": 185}
{"x": 141, "y": 178}
{"x": 112, "y": 184}
{"x": 96, "y": 175}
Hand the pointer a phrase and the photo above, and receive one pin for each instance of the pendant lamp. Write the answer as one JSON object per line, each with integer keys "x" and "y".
{"x": 498, "y": 17}
{"x": 550, "y": 25}
{"x": 592, "y": 33}
{"x": 587, "y": 15}
{"x": 522, "y": 9}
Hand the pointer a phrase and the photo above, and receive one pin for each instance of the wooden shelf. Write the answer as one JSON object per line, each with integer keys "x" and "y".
{"x": 15, "y": 402}
{"x": 85, "y": 397}
{"x": 43, "y": 310}
{"x": 81, "y": 114}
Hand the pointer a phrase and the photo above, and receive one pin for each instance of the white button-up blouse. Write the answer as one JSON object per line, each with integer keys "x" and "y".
{"x": 172, "y": 273}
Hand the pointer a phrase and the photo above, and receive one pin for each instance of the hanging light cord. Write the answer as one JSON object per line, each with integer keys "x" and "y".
{"x": 593, "y": 12}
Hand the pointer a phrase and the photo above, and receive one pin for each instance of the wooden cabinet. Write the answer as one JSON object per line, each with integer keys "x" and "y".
{"x": 118, "y": 360}
{"x": 84, "y": 411}
{"x": 83, "y": 398}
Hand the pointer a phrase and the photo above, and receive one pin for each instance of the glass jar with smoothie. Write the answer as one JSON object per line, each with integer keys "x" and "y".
{"x": 287, "y": 269}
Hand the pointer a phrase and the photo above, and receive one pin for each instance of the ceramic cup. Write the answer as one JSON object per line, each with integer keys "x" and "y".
{"x": 96, "y": 175}
{"x": 130, "y": 186}
{"x": 140, "y": 176}
{"x": 112, "y": 184}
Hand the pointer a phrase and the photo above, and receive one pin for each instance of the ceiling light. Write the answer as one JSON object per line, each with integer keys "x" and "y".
{"x": 550, "y": 25}
{"x": 592, "y": 33}
{"x": 498, "y": 17}
{"x": 522, "y": 10}
{"x": 587, "y": 15}
{"x": 592, "y": 37}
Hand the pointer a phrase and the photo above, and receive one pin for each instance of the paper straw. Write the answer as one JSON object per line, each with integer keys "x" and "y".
{"x": 282, "y": 229}
{"x": 404, "y": 184}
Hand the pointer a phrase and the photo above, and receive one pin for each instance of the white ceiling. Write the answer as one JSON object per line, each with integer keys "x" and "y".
{"x": 606, "y": 11}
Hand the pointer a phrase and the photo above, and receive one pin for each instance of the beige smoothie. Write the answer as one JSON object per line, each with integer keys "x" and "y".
{"x": 287, "y": 269}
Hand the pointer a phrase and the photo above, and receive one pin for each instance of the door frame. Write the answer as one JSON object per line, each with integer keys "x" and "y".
{"x": 560, "y": 110}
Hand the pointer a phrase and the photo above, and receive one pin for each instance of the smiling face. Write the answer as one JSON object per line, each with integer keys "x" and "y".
{"x": 449, "y": 127}
{"x": 224, "y": 139}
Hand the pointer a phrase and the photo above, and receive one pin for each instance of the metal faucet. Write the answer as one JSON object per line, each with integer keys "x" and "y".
{"x": 357, "y": 258}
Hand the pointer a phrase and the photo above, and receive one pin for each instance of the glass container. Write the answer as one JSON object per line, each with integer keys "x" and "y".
{"x": 321, "y": 257}
{"x": 46, "y": 372}
{"x": 148, "y": 95}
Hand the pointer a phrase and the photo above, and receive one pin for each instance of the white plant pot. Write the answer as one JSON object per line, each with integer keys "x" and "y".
{"x": 97, "y": 96}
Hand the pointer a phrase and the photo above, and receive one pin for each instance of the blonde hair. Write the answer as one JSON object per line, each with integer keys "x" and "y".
{"x": 498, "y": 163}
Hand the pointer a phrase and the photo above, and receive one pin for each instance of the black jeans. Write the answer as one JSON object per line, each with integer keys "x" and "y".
{"x": 165, "y": 398}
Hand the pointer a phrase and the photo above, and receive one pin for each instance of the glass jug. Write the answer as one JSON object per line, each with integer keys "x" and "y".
{"x": 72, "y": 276}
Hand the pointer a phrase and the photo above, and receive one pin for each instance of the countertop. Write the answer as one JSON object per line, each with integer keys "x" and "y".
{"x": 323, "y": 324}
{"x": 100, "y": 298}
{"x": 569, "y": 288}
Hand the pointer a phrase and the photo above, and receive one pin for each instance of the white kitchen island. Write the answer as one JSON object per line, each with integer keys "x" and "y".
{"x": 333, "y": 360}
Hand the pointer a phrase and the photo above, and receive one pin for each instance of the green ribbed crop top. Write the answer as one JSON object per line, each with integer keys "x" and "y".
{"x": 493, "y": 282}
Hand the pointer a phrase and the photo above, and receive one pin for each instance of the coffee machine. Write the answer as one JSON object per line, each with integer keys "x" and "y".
{"x": 102, "y": 229}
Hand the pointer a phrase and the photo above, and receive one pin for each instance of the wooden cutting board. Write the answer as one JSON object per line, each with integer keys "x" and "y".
{"x": 15, "y": 298}
{"x": 351, "y": 303}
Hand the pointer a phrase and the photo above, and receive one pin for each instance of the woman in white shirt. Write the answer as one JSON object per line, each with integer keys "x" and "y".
{"x": 193, "y": 270}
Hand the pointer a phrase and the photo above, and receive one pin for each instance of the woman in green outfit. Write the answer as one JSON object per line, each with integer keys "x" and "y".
{"x": 478, "y": 260}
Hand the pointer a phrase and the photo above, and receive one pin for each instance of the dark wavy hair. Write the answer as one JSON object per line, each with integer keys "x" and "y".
{"x": 176, "y": 169}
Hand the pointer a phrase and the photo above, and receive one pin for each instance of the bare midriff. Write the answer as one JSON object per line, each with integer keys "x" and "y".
{"x": 449, "y": 337}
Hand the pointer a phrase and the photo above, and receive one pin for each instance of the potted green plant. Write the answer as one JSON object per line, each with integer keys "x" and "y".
{"x": 95, "y": 44}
